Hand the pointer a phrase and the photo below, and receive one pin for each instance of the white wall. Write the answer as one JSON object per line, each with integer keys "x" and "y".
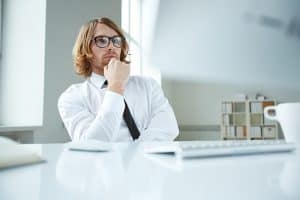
{"x": 63, "y": 21}
{"x": 197, "y": 105}
{"x": 22, "y": 64}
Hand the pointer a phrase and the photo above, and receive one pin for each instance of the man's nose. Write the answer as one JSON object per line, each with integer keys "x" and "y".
{"x": 110, "y": 45}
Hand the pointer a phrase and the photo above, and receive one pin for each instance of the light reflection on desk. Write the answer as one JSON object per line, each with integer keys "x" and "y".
{"x": 290, "y": 178}
{"x": 111, "y": 175}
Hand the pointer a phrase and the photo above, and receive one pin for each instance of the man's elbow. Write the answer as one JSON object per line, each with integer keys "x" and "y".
{"x": 173, "y": 132}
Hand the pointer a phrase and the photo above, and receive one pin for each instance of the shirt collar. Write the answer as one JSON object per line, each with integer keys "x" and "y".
{"x": 97, "y": 79}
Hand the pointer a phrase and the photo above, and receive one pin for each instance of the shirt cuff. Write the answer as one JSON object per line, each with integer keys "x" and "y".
{"x": 113, "y": 103}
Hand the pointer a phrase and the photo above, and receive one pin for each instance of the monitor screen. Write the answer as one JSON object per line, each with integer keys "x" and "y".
{"x": 237, "y": 41}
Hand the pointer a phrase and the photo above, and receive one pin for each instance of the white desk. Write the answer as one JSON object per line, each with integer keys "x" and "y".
{"x": 128, "y": 173}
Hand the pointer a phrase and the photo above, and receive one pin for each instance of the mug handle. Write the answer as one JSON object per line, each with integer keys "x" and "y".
{"x": 267, "y": 110}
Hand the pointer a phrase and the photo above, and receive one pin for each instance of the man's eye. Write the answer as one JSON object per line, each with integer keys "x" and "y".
{"x": 117, "y": 40}
{"x": 101, "y": 40}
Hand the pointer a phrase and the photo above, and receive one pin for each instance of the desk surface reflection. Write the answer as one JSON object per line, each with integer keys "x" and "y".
{"x": 128, "y": 173}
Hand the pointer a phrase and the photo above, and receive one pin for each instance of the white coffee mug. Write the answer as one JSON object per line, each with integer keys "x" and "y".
{"x": 288, "y": 116}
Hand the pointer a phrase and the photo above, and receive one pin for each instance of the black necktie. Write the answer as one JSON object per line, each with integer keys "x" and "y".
{"x": 134, "y": 131}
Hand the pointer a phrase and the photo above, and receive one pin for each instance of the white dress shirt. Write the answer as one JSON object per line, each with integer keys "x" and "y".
{"x": 92, "y": 112}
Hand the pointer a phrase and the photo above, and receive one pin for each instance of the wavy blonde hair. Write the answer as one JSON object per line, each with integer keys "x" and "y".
{"x": 82, "y": 51}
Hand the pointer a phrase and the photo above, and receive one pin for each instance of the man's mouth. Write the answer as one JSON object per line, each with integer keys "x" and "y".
{"x": 110, "y": 55}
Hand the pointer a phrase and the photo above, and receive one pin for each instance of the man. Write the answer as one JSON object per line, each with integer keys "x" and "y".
{"x": 111, "y": 105}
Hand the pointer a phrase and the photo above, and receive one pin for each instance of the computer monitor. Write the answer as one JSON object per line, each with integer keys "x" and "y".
{"x": 237, "y": 41}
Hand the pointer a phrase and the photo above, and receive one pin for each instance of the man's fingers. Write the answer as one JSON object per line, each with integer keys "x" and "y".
{"x": 112, "y": 60}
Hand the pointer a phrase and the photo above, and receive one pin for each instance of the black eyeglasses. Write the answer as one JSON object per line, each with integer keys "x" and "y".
{"x": 103, "y": 41}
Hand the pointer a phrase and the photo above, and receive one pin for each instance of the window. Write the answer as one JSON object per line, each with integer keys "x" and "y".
{"x": 131, "y": 21}
{"x": 1, "y": 11}
{"x": 1, "y": 14}
{"x": 138, "y": 17}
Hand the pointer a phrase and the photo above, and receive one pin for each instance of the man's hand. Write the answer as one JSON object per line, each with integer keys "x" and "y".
{"x": 117, "y": 74}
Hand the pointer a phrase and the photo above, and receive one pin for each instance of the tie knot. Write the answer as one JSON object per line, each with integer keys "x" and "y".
{"x": 104, "y": 84}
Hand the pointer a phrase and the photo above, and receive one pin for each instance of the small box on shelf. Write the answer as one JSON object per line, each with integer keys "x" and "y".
{"x": 227, "y": 119}
{"x": 256, "y": 119}
{"x": 239, "y": 119}
{"x": 267, "y": 103}
{"x": 239, "y": 107}
{"x": 269, "y": 131}
{"x": 227, "y": 107}
{"x": 255, "y": 132}
{"x": 230, "y": 132}
{"x": 241, "y": 132}
{"x": 256, "y": 107}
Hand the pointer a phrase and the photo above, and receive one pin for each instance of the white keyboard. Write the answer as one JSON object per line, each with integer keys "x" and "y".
{"x": 225, "y": 148}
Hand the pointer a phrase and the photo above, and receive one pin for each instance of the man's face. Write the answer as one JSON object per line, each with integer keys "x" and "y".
{"x": 103, "y": 55}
